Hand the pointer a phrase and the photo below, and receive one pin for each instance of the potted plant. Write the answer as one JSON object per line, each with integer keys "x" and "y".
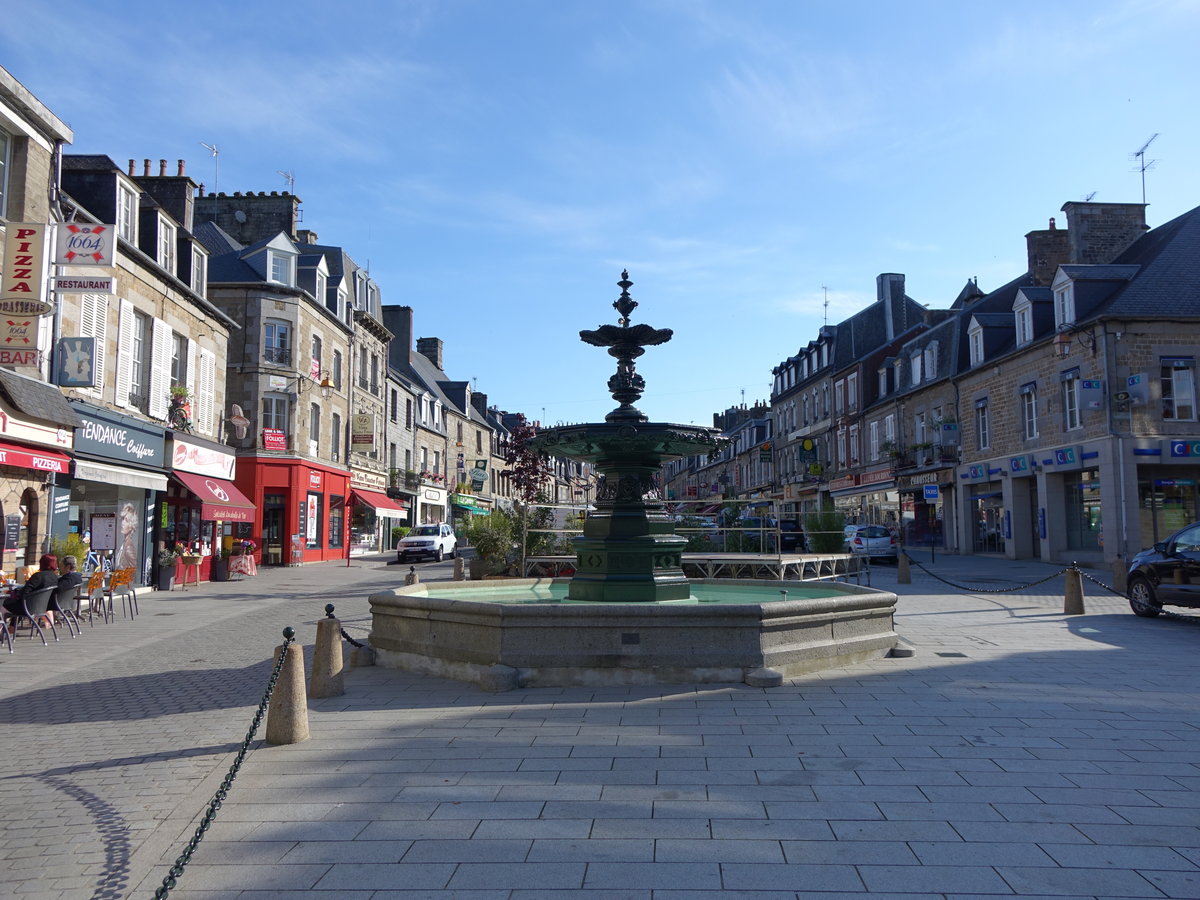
{"x": 167, "y": 559}
{"x": 218, "y": 568}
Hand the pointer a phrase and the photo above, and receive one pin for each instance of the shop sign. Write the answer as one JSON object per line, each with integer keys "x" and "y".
{"x": 846, "y": 481}
{"x": 274, "y": 439}
{"x": 10, "y": 357}
{"x": 362, "y": 429}
{"x": 81, "y": 244}
{"x": 114, "y": 436}
{"x": 76, "y": 362}
{"x": 314, "y": 479}
{"x": 906, "y": 481}
{"x": 1018, "y": 464}
{"x": 976, "y": 472}
{"x": 876, "y": 477}
{"x": 105, "y": 284}
{"x": 1185, "y": 448}
{"x": 931, "y": 492}
{"x": 1136, "y": 386}
{"x": 189, "y": 457}
{"x": 1091, "y": 393}
{"x": 24, "y": 270}
{"x": 1174, "y": 482}
{"x": 1066, "y": 456}
{"x": 479, "y": 475}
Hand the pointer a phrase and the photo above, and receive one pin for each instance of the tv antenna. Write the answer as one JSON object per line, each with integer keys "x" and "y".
{"x": 212, "y": 148}
{"x": 825, "y": 290}
{"x": 1144, "y": 164}
{"x": 290, "y": 178}
{"x": 1088, "y": 198}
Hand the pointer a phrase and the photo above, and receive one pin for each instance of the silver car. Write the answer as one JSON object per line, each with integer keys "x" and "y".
{"x": 873, "y": 541}
{"x": 435, "y": 541}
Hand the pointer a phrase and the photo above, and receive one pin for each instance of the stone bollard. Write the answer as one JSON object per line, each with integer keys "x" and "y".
{"x": 287, "y": 713}
{"x": 903, "y": 573}
{"x": 1120, "y": 572}
{"x": 326, "y": 678}
{"x": 412, "y": 577}
{"x": 460, "y": 566}
{"x": 1073, "y": 598}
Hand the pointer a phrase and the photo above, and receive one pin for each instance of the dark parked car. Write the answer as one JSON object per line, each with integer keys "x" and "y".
{"x": 1168, "y": 574}
{"x": 791, "y": 537}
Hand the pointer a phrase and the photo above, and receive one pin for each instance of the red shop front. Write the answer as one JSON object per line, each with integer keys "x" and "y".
{"x": 302, "y": 508}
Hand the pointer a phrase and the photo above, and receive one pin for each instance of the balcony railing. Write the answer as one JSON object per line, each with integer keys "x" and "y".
{"x": 278, "y": 355}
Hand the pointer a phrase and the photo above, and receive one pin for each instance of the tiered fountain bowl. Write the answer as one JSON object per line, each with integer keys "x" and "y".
{"x": 629, "y": 615}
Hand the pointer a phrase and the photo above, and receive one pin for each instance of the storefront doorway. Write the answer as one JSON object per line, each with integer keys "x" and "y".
{"x": 274, "y": 536}
{"x": 987, "y": 518}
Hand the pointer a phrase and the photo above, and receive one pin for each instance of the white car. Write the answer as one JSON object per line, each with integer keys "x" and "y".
{"x": 871, "y": 541}
{"x": 435, "y": 541}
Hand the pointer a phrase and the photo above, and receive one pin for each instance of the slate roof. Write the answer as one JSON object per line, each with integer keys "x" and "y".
{"x": 991, "y": 309}
{"x": 37, "y": 399}
{"x": 1167, "y": 284}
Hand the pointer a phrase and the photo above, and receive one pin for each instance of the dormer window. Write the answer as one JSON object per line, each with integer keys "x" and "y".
{"x": 199, "y": 270}
{"x": 915, "y": 364}
{"x": 282, "y": 267}
{"x": 1023, "y": 316}
{"x": 1064, "y": 305}
{"x": 166, "y": 244}
{"x": 930, "y": 353}
{"x": 127, "y": 210}
{"x": 975, "y": 342}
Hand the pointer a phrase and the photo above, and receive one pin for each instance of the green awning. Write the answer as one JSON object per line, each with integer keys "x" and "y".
{"x": 463, "y": 501}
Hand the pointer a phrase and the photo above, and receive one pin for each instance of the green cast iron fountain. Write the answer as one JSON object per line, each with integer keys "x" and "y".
{"x": 629, "y": 551}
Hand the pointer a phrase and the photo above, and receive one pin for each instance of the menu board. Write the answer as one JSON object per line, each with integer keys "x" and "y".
{"x": 104, "y": 531}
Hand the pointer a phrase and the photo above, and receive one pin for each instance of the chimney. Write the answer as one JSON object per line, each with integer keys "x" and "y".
{"x": 479, "y": 401}
{"x": 1100, "y": 232}
{"x": 146, "y": 168}
{"x": 162, "y": 168}
{"x": 132, "y": 167}
{"x": 305, "y": 236}
{"x": 431, "y": 349}
{"x": 179, "y": 171}
{"x": 1047, "y": 250}
{"x": 889, "y": 288}
{"x": 399, "y": 321}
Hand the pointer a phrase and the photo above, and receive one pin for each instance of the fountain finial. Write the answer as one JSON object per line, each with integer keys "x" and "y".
{"x": 626, "y": 342}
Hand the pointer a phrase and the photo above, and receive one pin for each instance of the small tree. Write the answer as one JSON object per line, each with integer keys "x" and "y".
{"x": 529, "y": 470}
{"x": 825, "y": 531}
{"x": 492, "y": 538}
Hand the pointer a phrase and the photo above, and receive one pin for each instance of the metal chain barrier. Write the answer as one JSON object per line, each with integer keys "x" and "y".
{"x": 289, "y": 635}
{"x": 1098, "y": 583}
{"x": 980, "y": 590}
{"x": 329, "y": 615}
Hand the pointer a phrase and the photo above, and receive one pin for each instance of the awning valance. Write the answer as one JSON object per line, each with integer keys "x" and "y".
{"x": 463, "y": 501}
{"x": 29, "y": 458}
{"x": 382, "y": 504}
{"x": 219, "y": 499}
{"x": 134, "y": 478}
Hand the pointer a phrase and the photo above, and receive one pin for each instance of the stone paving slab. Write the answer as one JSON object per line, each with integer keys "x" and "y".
{"x": 1019, "y": 752}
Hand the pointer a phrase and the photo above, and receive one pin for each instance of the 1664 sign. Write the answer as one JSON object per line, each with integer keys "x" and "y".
{"x": 82, "y": 244}
{"x": 24, "y": 270}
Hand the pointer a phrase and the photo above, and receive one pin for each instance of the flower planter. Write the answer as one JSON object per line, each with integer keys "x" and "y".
{"x": 218, "y": 570}
{"x": 166, "y": 578}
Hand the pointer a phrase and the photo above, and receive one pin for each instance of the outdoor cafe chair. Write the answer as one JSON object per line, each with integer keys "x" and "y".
{"x": 64, "y": 601}
{"x": 36, "y": 605}
{"x": 97, "y": 598}
{"x": 121, "y": 583}
{"x": 5, "y": 634}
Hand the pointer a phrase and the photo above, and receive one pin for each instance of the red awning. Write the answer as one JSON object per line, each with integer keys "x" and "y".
{"x": 29, "y": 458}
{"x": 381, "y": 503}
{"x": 220, "y": 499}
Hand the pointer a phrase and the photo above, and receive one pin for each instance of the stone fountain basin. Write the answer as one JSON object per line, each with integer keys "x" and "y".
{"x": 504, "y": 645}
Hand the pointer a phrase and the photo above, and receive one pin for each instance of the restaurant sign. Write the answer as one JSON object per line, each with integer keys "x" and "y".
{"x": 24, "y": 270}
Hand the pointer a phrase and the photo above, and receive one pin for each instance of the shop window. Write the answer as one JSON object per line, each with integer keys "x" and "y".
{"x": 313, "y": 523}
{"x": 337, "y": 520}
{"x": 1084, "y": 523}
{"x": 1178, "y": 380}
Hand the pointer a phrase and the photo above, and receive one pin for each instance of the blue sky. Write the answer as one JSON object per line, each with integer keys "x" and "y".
{"x": 498, "y": 163}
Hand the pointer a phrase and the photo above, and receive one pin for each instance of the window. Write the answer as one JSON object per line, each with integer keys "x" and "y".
{"x": 127, "y": 213}
{"x": 458, "y": 434}
{"x": 853, "y": 446}
{"x": 1029, "y": 410}
{"x": 889, "y": 428}
{"x": 395, "y": 405}
{"x": 362, "y": 370}
{"x": 375, "y": 374}
{"x": 277, "y": 342}
{"x": 931, "y": 355}
{"x": 391, "y": 456}
{"x": 1064, "y": 305}
{"x": 916, "y": 368}
{"x": 408, "y": 414}
{"x": 975, "y": 342}
{"x": 275, "y": 412}
{"x": 166, "y": 244}
{"x": 281, "y": 267}
{"x": 314, "y": 430}
{"x": 1023, "y": 314}
{"x": 919, "y": 435}
{"x": 337, "y": 369}
{"x": 5, "y": 163}
{"x": 1070, "y": 383}
{"x": 852, "y": 391}
{"x": 335, "y": 437}
{"x": 199, "y": 270}
{"x": 133, "y": 358}
{"x": 1179, "y": 388}
{"x": 321, "y": 287}
{"x": 982, "y": 435}
{"x": 873, "y": 440}
{"x": 478, "y": 441}
{"x": 883, "y": 384}
{"x": 316, "y": 357}
{"x": 337, "y": 519}
{"x": 179, "y": 360}
{"x": 839, "y": 397}
{"x": 137, "y": 360}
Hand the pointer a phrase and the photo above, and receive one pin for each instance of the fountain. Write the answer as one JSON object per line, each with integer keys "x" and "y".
{"x": 629, "y": 615}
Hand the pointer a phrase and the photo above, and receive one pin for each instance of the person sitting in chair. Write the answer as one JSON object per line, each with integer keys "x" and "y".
{"x": 69, "y": 577}
{"x": 46, "y": 576}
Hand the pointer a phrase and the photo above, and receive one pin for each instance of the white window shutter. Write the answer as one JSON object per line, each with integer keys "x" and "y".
{"x": 160, "y": 370}
{"x": 125, "y": 323}
{"x": 95, "y": 324}
{"x": 205, "y": 386}
{"x": 192, "y": 383}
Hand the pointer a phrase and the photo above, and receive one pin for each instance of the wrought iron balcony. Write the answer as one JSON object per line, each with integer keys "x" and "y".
{"x": 279, "y": 355}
